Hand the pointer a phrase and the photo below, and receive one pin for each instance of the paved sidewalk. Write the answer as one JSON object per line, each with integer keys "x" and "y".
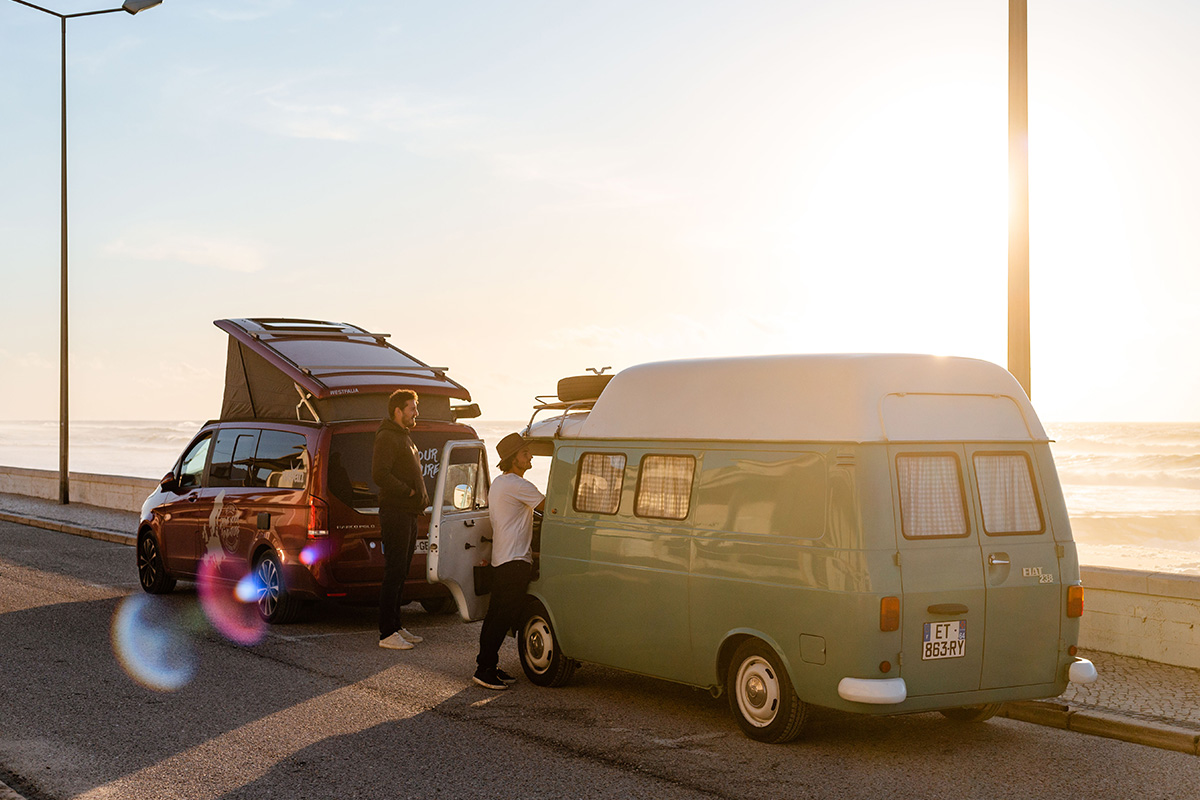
{"x": 1137, "y": 701}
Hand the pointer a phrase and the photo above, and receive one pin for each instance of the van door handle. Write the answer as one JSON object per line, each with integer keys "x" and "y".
{"x": 191, "y": 498}
{"x": 469, "y": 523}
{"x": 947, "y": 608}
{"x": 998, "y": 560}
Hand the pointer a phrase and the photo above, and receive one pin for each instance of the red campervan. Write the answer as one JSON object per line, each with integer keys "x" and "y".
{"x": 281, "y": 484}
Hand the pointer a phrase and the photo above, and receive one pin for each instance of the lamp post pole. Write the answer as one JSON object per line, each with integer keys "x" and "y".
{"x": 131, "y": 7}
{"x": 1018, "y": 193}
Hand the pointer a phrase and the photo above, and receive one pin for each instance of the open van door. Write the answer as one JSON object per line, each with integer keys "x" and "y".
{"x": 460, "y": 530}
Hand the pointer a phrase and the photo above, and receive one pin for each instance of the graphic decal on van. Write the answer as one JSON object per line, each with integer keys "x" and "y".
{"x": 222, "y": 529}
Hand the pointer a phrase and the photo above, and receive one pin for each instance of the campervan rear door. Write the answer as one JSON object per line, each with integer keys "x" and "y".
{"x": 1020, "y": 566}
{"x": 460, "y": 530}
{"x": 943, "y": 608}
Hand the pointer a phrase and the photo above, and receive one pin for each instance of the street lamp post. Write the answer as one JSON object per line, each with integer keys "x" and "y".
{"x": 131, "y": 7}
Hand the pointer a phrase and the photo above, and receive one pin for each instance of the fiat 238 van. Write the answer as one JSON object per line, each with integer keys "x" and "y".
{"x": 879, "y": 534}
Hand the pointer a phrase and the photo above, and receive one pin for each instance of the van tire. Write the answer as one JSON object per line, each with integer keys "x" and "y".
{"x": 152, "y": 572}
{"x": 978, "y": 713}
{"x": 761, "y": 696}
{"x": 582, "y": 387}
{"x": 276, "y": 605}
{"x": 439, "y": 605}
{"x": 541, "y": 657}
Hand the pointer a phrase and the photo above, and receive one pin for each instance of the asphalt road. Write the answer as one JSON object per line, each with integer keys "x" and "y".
{"x": 317, "y": 710}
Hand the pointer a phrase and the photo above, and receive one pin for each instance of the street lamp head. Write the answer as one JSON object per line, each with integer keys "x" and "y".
{"x": 134, "y": 6}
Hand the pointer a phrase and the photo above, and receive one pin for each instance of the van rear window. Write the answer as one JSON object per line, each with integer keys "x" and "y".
{"x": 932, "y": 503}
{"x": 1006, "y": 494}
{"x": 665, "y": 487}
{"x": 350, "y": 464}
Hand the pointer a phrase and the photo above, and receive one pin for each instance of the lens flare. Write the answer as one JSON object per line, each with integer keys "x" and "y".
{"x": 151, "y": 645}
{"x": 314, "y": 552}
{"x": 228, "y": 592}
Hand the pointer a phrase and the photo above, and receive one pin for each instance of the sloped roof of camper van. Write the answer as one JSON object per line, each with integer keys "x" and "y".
{"x": 848, "y": 398}
{"x": 325, "y": 359}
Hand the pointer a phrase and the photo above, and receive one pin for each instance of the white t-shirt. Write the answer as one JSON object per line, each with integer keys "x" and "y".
{"x": 511, "y": 500}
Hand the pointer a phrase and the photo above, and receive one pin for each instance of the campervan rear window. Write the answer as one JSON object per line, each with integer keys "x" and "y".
{"x": 664, "y": 488}
{"x": 598, "y": 488}
{"x": 932, "y": 503}
{"x": 1006, "y": 494}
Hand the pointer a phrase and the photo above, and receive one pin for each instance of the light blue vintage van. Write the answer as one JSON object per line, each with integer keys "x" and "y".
{"x": 879, "y": 534}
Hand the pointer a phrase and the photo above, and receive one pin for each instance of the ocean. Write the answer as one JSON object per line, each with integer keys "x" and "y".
{"x": 1132, "y": 488}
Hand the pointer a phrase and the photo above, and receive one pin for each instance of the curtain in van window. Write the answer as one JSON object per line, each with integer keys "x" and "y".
{"x": 931, "y": 496}
{"x": 1006, "y": 494}
{"x": 599, "y": 486}
{"x": 665, "y": 487}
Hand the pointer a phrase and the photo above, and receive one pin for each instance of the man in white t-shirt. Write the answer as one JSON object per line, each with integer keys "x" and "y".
{"x": 511, "y": 503}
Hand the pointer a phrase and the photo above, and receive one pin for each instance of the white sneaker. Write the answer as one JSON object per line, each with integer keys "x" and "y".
{"x": 395, "y": 642}
{"x": 411, "y": 638}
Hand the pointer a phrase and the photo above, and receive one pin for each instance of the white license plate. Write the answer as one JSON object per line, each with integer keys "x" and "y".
{"x": 422, "y": 546}
{"x": 944, "y": 640}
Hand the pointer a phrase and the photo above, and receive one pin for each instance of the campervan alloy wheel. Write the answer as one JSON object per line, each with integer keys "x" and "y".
{"x": 761, "y": 695}
{"x": 276, "y": 604}
{"x": 152, "y": 573}
{"x": 977, "y": 713}
{"x": 541, "y": 658}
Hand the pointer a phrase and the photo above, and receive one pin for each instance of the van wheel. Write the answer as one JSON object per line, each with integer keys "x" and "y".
{"x": 979, "y": 713}
{"x": 541, "y": 658}
{"x": 582, "y": 387}
{"x": 761, "y": 695}
{"x": 276, "y": 604}
{"x": 152, "y": 573}
{"x": 439, "y": 605}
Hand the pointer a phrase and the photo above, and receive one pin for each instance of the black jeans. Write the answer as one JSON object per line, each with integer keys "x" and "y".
{"x": 510, "y": 581}
{"x": 399, "y": 531}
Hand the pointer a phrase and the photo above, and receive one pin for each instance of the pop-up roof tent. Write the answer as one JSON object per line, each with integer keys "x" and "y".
{"x": 299, "y": 369}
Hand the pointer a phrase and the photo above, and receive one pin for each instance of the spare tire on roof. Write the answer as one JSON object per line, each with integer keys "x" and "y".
{"x": 582, "y": 387}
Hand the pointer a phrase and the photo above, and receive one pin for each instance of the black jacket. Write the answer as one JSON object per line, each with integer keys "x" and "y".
{"x": 396, "y": 470}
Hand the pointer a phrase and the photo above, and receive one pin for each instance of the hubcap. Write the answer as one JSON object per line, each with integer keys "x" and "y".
{"x": 757, "y": 691}
{"x": 539, "y": 644}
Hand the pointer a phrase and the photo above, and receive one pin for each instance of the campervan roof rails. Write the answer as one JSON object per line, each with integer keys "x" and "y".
{"x": 328, "y": 372}
{"x": 543, "y": 404}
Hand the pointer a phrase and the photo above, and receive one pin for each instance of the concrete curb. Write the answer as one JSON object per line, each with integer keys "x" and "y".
{"x": 65, "y": 527}
{"x": 7, "y": 793}
{"x": 1099, "y": 723}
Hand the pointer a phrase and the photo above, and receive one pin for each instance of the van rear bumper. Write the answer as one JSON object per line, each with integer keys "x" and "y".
{"x": 876, "y": 691}
{"x": 1082, "y": 671}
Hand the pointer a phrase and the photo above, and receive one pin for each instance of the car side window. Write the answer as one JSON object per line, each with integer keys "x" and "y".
{"x": 233, "y": 455}
{"x": 280, "y": 461}
{"x": 191, "y": 468}
{"x": 466, "y": 486}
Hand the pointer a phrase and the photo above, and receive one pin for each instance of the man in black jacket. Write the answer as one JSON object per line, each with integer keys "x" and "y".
{"x": 396, "y": 470}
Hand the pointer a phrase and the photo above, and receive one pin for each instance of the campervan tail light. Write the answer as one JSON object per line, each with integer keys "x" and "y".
{"x": 889, "y": 614}
{"x": 318, "y": 519}
{"x": 1074, "y": 601}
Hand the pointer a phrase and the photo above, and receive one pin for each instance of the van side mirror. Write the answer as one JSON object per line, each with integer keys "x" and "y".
{"x": 464, "y": 497}
{"x": 465, "y": 412}
{"x": 169, "y": 483}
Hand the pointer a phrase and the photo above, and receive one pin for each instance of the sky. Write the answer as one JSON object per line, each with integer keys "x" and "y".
{"x": 522, "y": 190}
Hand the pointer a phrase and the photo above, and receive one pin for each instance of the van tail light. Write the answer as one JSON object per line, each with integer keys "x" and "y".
{"x": 1074, "y": 601}
{"x": 318, "y": 519}
{"x": 889, "y": 614}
